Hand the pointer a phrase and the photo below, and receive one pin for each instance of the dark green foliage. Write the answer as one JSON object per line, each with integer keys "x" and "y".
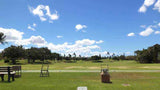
{"x": 55, "y": 56}
{"x": 13, "y": 53}
{"x": 131, "y": 57}
{"x": 38, "y": 54}
{"x": 122, "y": 57}
{"x": 2, "y": 38}
{"x": 115, "y": 58}
{"x": 95, "y": 58}
{"x": 149, "y": 55}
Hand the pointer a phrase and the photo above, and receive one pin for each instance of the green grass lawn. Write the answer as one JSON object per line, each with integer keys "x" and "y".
{"x": 70, "y": 81}
{"x": 89, "y": 65}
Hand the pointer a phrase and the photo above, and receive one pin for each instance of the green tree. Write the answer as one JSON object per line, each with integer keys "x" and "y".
{"x": 38, "y": 54}
{"x": 13, "y": 53}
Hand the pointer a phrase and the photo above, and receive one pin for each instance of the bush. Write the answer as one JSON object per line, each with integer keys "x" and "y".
{"x": 6, "y": 61}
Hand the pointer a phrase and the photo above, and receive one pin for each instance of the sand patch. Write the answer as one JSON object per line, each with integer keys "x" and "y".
{"x": 72, "y": 67}
{"x": 121, "y": 67}
{"x": 126, "y": 85}
{"x": 93, "y": 67}
{"x": 151, "y": 67}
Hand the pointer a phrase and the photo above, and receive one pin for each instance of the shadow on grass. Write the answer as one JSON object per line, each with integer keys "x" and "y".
{"x": 97, "y": 61}
{"x": 69, "y": 61}
{"x": 6, "y": 81}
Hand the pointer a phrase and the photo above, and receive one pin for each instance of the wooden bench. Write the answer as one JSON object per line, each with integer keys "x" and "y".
{"x": 7, "y": 71}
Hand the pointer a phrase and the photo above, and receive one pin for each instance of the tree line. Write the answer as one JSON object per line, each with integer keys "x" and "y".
{"x": 14, "y": 53}
{"x": 149, "y": 55}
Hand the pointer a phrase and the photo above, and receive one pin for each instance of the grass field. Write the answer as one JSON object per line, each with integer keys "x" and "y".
{"x": 70, "y": 81}
{"x": 89, "y": 65}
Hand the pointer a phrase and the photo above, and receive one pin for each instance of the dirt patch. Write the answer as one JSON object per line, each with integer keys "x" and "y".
{"x": 151, "y": 67}
{"x": 126, "y": 85}
{"x": 121, "y": 67}
{"x": 72, "y": 67}
{"x": 93, "y": 67}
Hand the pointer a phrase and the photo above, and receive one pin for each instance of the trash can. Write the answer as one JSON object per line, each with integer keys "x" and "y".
{"x": 105, "y": 77}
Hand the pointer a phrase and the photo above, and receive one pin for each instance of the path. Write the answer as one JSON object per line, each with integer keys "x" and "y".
{"x": 93, "y": 70}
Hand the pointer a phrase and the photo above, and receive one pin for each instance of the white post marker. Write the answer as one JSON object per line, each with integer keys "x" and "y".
{"x": 81, "y": 88}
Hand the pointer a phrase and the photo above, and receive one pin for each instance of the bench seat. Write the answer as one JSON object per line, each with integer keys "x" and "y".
{"x": 5, "y": 73}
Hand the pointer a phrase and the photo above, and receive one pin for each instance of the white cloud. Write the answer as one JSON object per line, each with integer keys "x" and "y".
{"x": 29, "y": 27}
{"x": 142, "y": 9}
{"x": 100, "y": 41}
{"x": 149, "y": 2}
{"x": 146, "y": 32}
{"x": 44, "y": 13}
{"x": 85, "y": 42}
{"x": 80, "y": 27}
{"x": 159, "y": 24}
{"x": 157, "y": 6}
{"x": 11, "y": 34}
{"x": 35, "y": 40}
{"x": 59, "y": 36}
{"x": 157, "y": 32}
{"x": 83, "y": 47}
{"x": 32, "y": 27}
{"x": 131, "y": 34}
{"x": 146, "y": 4}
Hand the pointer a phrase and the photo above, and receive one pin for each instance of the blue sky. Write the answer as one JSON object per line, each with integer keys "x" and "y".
{"x": 86, "y": 27}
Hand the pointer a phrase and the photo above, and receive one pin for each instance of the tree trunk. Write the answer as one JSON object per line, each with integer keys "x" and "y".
{"x": 13, "y": 61}
{"x": 29, "y": 60}
{"x": 33, "y": 60}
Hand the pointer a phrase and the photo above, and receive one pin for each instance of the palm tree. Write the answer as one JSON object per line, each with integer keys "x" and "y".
{"x": 74, "y": 56}
{"x": 2, "y": 38}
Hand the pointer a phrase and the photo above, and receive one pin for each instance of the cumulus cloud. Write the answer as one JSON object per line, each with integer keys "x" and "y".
{"x": 148, "y": 3}
{"x": 15, "y": 36}
{"x": 157, "y": 6}
{"x": 80, "y": 27}
{"x": 85, "y": 42}
{"x": 84, "y": 47}
{"x": 157, "y": 32}
{"x": 142, "y": 9}
{"x": 146, "y": 32}
{"x": 59, "y": 36}
{"x": 44, "y": 13}
{"x": 11, "y": 34}
{"x": 35, "y": 40}
{"x": 131, "y": 34}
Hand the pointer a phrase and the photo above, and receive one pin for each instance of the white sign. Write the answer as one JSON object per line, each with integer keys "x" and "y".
{"x": 81, "y": 88}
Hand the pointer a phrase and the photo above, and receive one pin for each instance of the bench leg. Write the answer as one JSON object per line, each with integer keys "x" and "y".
{"x": 2, "y": 77}
{"x": 12, "y": 77}
{"x": 9, "y": 78}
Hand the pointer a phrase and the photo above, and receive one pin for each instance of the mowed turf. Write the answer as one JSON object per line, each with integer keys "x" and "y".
{"x": 89, "y": 65}
{"x": 70, "y": 81}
